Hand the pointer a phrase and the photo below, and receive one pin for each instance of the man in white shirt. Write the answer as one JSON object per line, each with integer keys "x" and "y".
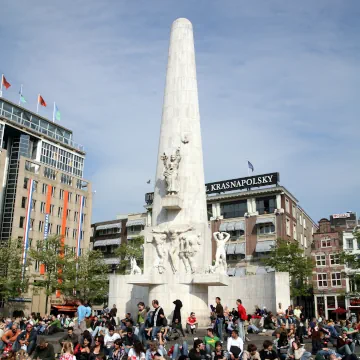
{"x": 297, "y": 314}
{"x": 235, "y": 346}
{"x": 109, "y": 340}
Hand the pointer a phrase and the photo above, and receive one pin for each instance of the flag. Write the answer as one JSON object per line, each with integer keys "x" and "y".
{"x": 250, "y": 166}
{"x": 56, "y": 115}
{"x": 4, "y": 82}
{"x": 41, "y": 101}
{"x": 21, "y": 99}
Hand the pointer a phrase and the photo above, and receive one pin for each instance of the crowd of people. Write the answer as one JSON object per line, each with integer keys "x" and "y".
{"x": 149, "y": 335}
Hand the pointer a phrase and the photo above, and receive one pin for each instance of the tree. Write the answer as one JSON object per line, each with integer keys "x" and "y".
{"x": 289, "y": 257}
{"x": 88, "y": 277}
{"x": 14, "y": 278}
{"x": 131, "y": 249}
{"x": 57, "y": 259}
{"x": 352, "y": 262}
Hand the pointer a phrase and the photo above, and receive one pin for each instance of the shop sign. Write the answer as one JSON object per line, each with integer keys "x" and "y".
{"x": 20, "y": 299}
{"x": 341, "y": 216}
{"x": 355, "y": 302}
{"x": 56, "y": 301}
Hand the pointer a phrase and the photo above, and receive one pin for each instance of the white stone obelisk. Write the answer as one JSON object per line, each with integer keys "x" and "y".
{"x": 180, "y": 129}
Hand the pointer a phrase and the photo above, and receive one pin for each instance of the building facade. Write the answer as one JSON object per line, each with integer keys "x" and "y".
{"x": 43, "y": 191}
{"x": 255, "y": 216}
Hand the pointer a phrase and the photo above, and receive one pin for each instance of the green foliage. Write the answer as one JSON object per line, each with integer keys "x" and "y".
{"x": 58, "y": 264}
{"x": 289, "y": 257}
{"x": 13, "y": 280}
{"x": 87, "y": 277}
{"x": 131, "y": 249}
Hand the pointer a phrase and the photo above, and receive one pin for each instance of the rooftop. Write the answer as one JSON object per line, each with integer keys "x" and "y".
{"x": 13, "y": 113}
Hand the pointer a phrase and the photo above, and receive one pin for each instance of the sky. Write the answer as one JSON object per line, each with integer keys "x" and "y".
{"x": 279, "y": 85}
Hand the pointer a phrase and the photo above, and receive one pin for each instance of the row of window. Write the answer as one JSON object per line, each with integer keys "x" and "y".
{"x": 57, "y": 230}
{"x": 322, "y": 280}
{"x": 333, "y": 258}
{"x": 59, "y": 212}
{"x": 301, "y": 220}
{"x": 303, "y": 238}
{"x": 64, "y": 178}
{"x": 54, "y": 191}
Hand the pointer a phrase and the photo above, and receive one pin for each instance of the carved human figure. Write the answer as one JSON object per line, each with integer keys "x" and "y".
{"x": 171, "y": 170}
{"x": 173, "y": 235}
{"x": 189, "y": 246}
{"x": 134, "y": 268}
{"x": 221, "y": 239}
{"x": 160, "y": 241}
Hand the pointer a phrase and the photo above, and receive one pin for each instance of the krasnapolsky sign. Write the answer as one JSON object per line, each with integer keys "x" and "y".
{"x": 243, "y": 183}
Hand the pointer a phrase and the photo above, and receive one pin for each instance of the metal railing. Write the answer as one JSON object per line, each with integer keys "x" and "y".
{"x": 27, "y": 123}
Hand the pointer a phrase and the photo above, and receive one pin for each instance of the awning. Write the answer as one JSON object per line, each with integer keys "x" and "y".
{"x": 265, "y": 220}
{"x": 230, "y": 226}
{"x": 65, "y": 308}
{"x": 107, "y": 242}
{"x": 230, "y": 249}
{"x": 240, "y": 225}
{"x": 135, "y": 222}
{"x": 240, "y": 248}
{"x": 223, "y": 227}
{"x": 109, "y": 226}
{"x": 240, "y": 271}
{"x": 231, "y": 271}
{"x": 264, "y": 246}
{"x": 112, "y": 261}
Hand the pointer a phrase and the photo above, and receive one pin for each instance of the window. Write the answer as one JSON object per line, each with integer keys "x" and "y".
{"x": 32, "y": 224}
{"x": 66, "y": 179}
{"x": 58, "y": 229}
{"x": 61, "y": 194}
{"x": 42, "y": 207}
{"x": 20, "y": 241}
{"x": 350, "y": 244}
{"x": 41, "y": 226}
{"x": 23, "y": 202}
{"x": 301, "y": 239}
{"x": 76, "y": 215}
{"x": 294, "y": 232}
{"x": 232, "y": 209}
{"x": 52, "y": 209}
{"x": 33, "y": 206}
{"x": 82, "y": 235}
{"x": 84, "y": 216}
{"x": 67, "y": 232}
{"x": 305, "y": 241}
{"x": 77, "y": 198}
{"x": 304, "y": 223}
{"x": 334, "y": 259}
{"x": 294, "y": 211}
{"x": 49, "y": 173}
{"x": 266, "y": 205}
{"x": 320, "y": 260}
{"x": 74, "y": 233}
{"x": 326, "y": 243}
{"x": 85, "y": 201}
{"x": 69, "y": 196}
{"x": 68, "y": 212}
{"x": 300, "y": 219}
{"x": 44, "y": 189}
{"x": 26, "y": 181}
{"x": 266, "y": 229}
{"x": 21, "y": 222}
{"x": 49, "y": 228}
{"x": 53, "y": 190}
{"x": 60, "y": 210}
{"x": 322, "y": 280}
{"x": 336, "y": 279}
{"x": 288, "y": 227}
{"x": 287, "y": 205}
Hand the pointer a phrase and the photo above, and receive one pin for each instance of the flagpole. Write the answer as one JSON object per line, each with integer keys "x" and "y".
{"x": 37, "y": 105}
{"x": 54, "y": 113}
{"x": 2, "y": 80}
{"x": 20, "y": 94}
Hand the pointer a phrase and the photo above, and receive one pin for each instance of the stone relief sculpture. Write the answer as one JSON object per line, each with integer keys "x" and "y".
{"x": 171, "y": 169}
{"x": 173, "y": 236}
{"x": 134, "y": 268}
{"x": 189, "y": 246}
{"x": 221, "y": 238}
{"x": 160, "y": 245}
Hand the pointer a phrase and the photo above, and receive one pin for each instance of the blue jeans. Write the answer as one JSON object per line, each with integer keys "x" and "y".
{"x": 347, "y": 349}
{"x": 328, "y": 353}
{"x": 177, "y": 351}
{"x": 142, "y": 334}
{"x": 241, "y": 329}
{"x": 109, "y": 351}
{"x": 253, "y": 328}
{"x": 155, "y": 331}
{"x": 219, "y": 328}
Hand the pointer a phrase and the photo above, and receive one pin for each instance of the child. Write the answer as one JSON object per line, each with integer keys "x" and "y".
{"x": 67, "y": 351}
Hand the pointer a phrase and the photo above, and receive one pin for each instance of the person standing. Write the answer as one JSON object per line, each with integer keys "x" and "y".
{"x": 81, "y": 311}
{"x": 242, "y": 318}
{"x": 219, "y": 310}
{"x": 113, "y": 311}
{"x": 142, "y": 315}
{"x": 157, "y": 320}
{"x": 176, "y": 321}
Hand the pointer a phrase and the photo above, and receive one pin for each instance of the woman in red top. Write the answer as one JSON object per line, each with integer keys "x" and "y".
{"x": 191, "y": 324}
